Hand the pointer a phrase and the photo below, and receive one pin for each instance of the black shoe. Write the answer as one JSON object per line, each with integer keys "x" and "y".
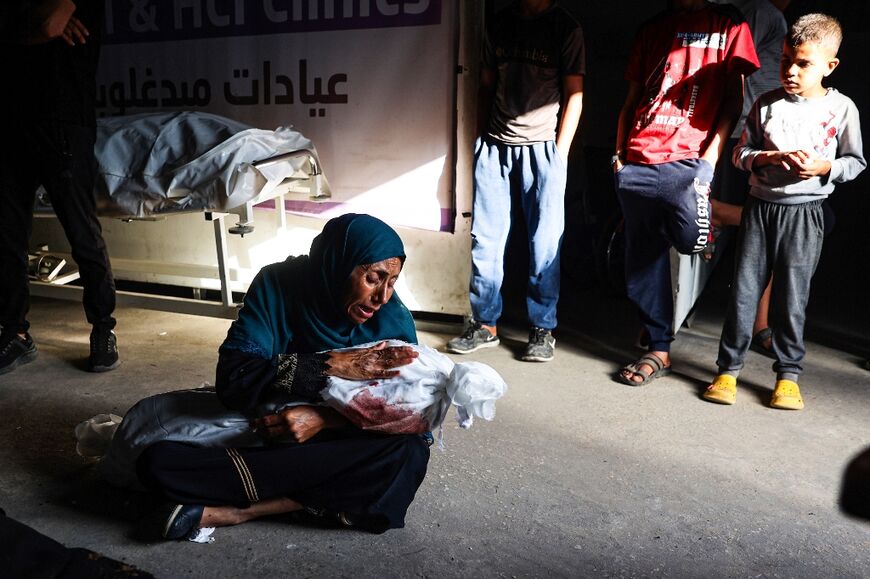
{"x": 182, "y": 521}
{"x": 14, "y": 351}
{"x": 104, "y": 351}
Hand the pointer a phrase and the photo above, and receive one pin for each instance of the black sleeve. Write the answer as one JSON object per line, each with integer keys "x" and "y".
{"x": 245, "y": 381}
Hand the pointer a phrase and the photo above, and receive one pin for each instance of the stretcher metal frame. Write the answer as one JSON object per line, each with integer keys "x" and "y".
{"x": 226, "y": 308}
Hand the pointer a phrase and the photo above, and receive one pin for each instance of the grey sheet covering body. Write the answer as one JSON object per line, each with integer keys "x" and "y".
{"x": 156, "y": 163}
{"x": 160, "y": 162}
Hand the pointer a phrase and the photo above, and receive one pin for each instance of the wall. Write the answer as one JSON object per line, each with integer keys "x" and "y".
{"x": 437, "y": 271}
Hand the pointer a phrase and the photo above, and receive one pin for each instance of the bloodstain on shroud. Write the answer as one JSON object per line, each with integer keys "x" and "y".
{"x": 373, "y": 413}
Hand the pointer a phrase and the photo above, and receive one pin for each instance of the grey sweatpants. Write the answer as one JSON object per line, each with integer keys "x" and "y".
{"x": 785, "y": 240}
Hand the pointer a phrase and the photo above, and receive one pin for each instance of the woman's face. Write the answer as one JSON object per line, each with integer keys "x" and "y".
{"x": 371, "y": 286}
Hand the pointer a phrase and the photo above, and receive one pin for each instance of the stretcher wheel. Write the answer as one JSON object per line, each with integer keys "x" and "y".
{"x": 241, "y": 229}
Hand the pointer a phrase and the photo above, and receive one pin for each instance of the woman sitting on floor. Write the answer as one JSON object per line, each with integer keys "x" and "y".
{"x": 339, "y": 295}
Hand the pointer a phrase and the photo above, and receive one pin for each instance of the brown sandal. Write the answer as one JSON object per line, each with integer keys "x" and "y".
{"x": 651, "y": 360}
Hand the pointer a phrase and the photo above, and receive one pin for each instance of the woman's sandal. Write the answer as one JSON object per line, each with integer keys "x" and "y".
{"x": 182, "y": 521}
{"x": 757, "y": 343}
{"x": 634, "y": 369}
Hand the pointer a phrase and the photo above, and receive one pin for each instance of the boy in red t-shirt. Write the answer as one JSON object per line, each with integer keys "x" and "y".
{"x": 685, "y": 93}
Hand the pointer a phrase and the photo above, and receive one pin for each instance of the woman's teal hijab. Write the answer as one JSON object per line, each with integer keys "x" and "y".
{"x": 297, "y": 305}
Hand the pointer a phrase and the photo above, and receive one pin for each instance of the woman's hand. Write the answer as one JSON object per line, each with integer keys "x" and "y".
{"x": 369, "y": 363}
{"x": 302, "y": 422}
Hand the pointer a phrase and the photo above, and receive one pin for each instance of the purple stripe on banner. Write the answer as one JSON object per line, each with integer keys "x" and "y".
{"x": 312, "y": 207}
{"x": 315, "y": 208}
{"x": 305, "y": 207}
{"x": 448, "y": 220}
{"x": 162, "y": 20}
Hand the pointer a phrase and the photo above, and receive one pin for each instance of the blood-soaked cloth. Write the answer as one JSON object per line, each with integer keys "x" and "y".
{"x": 417, "y": 400}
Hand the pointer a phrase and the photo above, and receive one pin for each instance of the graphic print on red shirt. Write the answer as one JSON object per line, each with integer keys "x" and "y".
{"x": 683, "y": 61}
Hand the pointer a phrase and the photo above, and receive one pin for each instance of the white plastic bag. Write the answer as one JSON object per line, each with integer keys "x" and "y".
{"x": 417, "y": 400}
{"x": 473, "y": 388}
{"x": 94, "y": 435}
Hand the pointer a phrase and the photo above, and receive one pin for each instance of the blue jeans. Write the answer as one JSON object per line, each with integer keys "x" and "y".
{"x": 663, "y": 205}
{"x": 534, "y": 176}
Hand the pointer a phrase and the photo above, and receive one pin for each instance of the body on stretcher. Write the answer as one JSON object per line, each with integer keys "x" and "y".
{"x": 152, "y": 166}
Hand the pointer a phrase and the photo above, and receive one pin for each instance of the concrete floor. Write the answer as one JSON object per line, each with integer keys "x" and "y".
{"x": 578, "y": 476}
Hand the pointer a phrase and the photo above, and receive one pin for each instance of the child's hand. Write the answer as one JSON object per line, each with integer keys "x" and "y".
{"x": 780, "y": 158}
{"x": 805, "y": 166}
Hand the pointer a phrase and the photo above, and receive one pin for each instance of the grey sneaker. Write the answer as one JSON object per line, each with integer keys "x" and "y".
{"x": 472, "y": 339}
{"x": 541, "y": 346}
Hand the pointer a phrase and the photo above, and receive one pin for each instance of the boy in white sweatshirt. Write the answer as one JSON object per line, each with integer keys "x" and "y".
{"x": 799, "y": 141}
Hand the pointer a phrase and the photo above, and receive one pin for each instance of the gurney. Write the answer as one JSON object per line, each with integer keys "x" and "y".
{"x": 152, "y": 166}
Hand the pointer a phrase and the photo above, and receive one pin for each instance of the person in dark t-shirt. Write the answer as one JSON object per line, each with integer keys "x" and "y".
{"x": 530, "y": 105}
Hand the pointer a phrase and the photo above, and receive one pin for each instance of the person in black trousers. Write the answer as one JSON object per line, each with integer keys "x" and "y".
{"x": 51, "y": 49}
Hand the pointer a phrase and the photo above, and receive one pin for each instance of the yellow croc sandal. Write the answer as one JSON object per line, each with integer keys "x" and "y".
{"x": 787, "y": 396}
{"x": 723, "y": 390}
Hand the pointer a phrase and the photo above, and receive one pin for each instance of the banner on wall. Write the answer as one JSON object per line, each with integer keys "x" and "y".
{"x": 370, "y": 82}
